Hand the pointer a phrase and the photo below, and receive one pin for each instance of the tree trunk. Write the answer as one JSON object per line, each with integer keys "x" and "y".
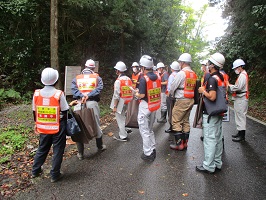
{"x": 54, "y": 38}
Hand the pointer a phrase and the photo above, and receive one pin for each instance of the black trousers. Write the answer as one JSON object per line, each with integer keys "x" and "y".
{"x": 170, "y": 101}
{"x": 46, "y": 141}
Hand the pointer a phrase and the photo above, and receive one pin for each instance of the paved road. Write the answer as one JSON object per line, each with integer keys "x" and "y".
{"x": 119, "y": 173}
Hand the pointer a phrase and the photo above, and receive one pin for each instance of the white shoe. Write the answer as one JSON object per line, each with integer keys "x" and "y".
{"x": 80, "y": 156}
{"x": 119, "y": 139}
{"x": 103, "y": 148}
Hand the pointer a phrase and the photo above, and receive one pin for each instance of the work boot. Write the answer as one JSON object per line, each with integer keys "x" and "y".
{"x": 169, "y": 130}
{"x": 80, "y": 147}
{"x": 241, "y": 136}
{"x": 236, "y": 135}
{"x": 185, "y": 138}
{"x": 163, "y": 117}
{"x": 179, "y": 142}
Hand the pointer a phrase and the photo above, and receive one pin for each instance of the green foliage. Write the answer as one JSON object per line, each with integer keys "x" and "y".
{"x": 9, "y": 96}
{"x": 104, "y": 109}
{"x": 245, "y": 38}
{"x": 107, "y": 31}
{"x": 12, "y": 140}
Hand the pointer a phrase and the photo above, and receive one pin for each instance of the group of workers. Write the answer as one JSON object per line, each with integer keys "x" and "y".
{"x": 155, "y": 90}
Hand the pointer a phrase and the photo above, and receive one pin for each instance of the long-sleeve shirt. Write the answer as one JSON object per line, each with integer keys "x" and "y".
{"x": 177, "y": 86}
{"x": 170, "y": 80}
{"x": 240, "y": 86}
{"x": 77, "y": 94}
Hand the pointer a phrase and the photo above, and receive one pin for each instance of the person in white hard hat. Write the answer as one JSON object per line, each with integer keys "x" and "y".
{"x": 50, "y": 108}
{"x": 86, "y": 88}
{"x": 149, "y": 93}
{"x": 164, "y": 80}
{"x": 204, "y": 69}
{"x": 122, "y": 92}
{"x": 135, "y": 75}
{"x": 182, "y": 88}
{"x": 170, "y": 100}
{"x": 240, "y": 94}
{"x": 212, "y": 124}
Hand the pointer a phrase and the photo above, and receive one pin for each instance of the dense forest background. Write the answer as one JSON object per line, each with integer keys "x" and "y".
{"x": 113, "y": 30}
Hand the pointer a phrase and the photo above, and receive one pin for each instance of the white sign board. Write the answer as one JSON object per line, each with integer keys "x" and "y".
{"x": 70, "y": 73}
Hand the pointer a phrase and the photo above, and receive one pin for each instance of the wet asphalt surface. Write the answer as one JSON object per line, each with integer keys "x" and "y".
{"x": 120, "y": 173}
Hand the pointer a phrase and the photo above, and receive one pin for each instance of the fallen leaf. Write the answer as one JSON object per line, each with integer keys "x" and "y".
{"x": 185, "y": 194}
{"x": 70, "y": 141}
{"x": 110, "y": 134}
{"x": 141, "y": 192}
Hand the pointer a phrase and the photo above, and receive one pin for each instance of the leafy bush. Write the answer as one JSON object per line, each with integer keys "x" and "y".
{"x": 9, "y": 96}
{"x": 12, "y": 140}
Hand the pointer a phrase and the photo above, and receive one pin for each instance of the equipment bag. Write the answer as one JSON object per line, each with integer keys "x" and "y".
{"x": 132, "y": 114}
{"x": 72, "y": 124}
{"x": 86, "y": 120}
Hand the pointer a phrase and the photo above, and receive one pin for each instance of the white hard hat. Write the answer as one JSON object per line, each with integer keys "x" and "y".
{"x": 185, "y": 57}
{"x": 217, "y": 59}
{"x": 90, "y": 63}
{"x": 160, "y": 65}
{"x": 146, "y": 61}
{"x": 120, "y": 66}
{"x": 154, "y": 68}
{"x": 175, "y": 66}
{"x": 238, "y": 63}
{"x": 49, "y": 76}
{"x": 135, "y": 64}
{"x": 204, "y": 62}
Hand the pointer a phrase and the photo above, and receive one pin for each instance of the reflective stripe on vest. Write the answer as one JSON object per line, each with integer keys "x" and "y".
{"x": 190, "y": 84}
{"x": 247, "y": 91}
{"x": 87, "y": 82}
{"x": 47, "y": 111}
{"x": 154, "y": 93}
{"x": 125, "y": 91}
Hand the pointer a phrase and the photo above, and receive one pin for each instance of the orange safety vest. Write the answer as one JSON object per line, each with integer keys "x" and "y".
{"x": 87, "y": 82}
{"x": 219, "y": 81}
{"x": 190, "y": 84}
{"x": 125, "y": 91}
{"x": 154, "y": 93}
{"x": 47, "y": 112}
{"x": 226, "y": 79}
{"x": 135, "y": 79}
{"x": 247, "y": 91}
{"x": 202, "y": 78}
